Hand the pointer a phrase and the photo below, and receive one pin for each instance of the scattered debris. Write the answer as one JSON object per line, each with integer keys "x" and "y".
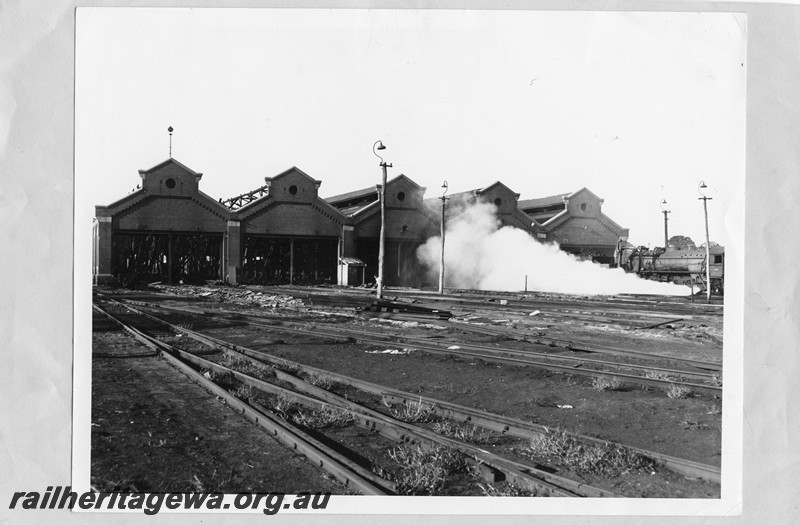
{"x": 392, "y": 351}
{"x": 237, "y": 294}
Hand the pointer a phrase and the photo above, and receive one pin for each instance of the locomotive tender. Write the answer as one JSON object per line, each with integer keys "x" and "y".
{"x": 678, "y": 266}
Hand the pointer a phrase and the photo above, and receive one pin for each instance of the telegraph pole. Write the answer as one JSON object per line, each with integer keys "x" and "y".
{"x": 382, "y": 241}
{"x": 665, "y": 211}
{"x": 708, "y": 241}
{"x": 441, "y": 261}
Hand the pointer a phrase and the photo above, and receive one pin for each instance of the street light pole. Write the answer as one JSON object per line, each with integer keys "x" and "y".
{"x": 705, "y": 200}
{"x": 441, "y": 261}
{"x": 665, "y": 211}
{"x": 382, "y": 242}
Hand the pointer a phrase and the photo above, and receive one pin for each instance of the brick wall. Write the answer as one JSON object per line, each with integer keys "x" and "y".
{"x": 171, "y": 214}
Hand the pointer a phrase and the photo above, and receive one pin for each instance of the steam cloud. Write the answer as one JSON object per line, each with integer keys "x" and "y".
{"x": 481, "y": 255}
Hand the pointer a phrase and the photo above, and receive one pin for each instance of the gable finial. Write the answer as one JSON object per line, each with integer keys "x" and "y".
{"x": 170, "y": 140}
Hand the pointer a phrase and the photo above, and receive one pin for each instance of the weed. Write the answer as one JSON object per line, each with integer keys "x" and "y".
{"x": 714, "y": 410}
{"x": 197, "y": 485}
{"x": 660, "y": 376}
{"x": 330, "y": 418}
{"x": 414, "y": 412}
{"x": 688, "y": 424}
{"x": 161, "y": 443}
{"x": 243, "y": 391}
{"x": 217, "y": 377}
{"x": 246, "y": 366}
{"x": 716, "y": 379}
{"x": 289, "y": 369}
{"x": 508, "y": 490}
{"x": 675, "y": 391}
{"x": 602, "y": 383}
{"x": 423, "y": 472}
{"x": 605, "y": 460}
{"x": 461, "y": 431}
{"x": 323, "y": 382}
{"x": 280, "y": 404}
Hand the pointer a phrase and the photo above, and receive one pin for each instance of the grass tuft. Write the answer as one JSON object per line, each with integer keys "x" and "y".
{"x": 605, "y": 460}
{"x": 423, "y": 472}
{"x": 602, "y": 383}
{"x": 330, "y": 418}
{"x": 660, "y": 376}
{"x": 461, "y": 431}
{"x": 323, "y": 382}
{"x": 414, "y": 412}
{"x": 689, "y": 424}
{"x": 280, "y": 404}
{"x": 246, "y": 366}
{"x": 243, "y": 391}
{"x": 675, "y": 391}
{"x": 505, "y": 490}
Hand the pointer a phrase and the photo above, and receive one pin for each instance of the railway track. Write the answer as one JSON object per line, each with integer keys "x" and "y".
{"x": 349, "y": 472}
{"x": 487, "y": 420}
{"x": 575, "y": 365}
{"x": 631, "y": 311}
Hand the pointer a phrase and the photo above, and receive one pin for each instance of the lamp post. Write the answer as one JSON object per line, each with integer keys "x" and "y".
{"x": 665, "y": 211}
{"x": 702, "y": 186}
{"x": 441, "y": 261}
{"x": 382, "y": 242}
{"x": 170, "y": 130}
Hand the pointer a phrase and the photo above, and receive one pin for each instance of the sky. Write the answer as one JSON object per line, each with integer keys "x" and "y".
{"x": 637, "y": 107}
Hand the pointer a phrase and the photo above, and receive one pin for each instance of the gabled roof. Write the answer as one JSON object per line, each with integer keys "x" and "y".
{"x": 170, "y": 161}
{"x": 246, "y": 199}
{"x": 586, "y": 190}
{"x": 496, "y": 183}
{"x": 475, "y": 192}
{"x": 293, "y": 169}
{"x": 355, "y": 202}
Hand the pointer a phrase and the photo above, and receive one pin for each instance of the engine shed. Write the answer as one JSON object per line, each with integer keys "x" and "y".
{"x": 283, "y": 232}
{"x": 166, "y": 230}
{"x": 408, "y": 224}
{"x": 577, "y": 223}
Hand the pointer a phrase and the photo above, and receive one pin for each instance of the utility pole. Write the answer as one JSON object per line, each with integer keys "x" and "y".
{"x": 708, "y": 241}
{"x": 441, "y": 261}
{"x": 665, "y": 211}
{"x": 382, "y": 241}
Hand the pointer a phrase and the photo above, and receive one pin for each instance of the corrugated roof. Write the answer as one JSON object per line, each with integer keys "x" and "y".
{"x": 542, "y": 202}
{"x": 366, "y": 192}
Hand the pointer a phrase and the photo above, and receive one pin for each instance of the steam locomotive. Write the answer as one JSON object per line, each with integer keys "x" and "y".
{"x": 678, "y": 266}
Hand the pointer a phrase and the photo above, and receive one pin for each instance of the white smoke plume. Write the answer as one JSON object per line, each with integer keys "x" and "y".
{"x": 482, "y": 255}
